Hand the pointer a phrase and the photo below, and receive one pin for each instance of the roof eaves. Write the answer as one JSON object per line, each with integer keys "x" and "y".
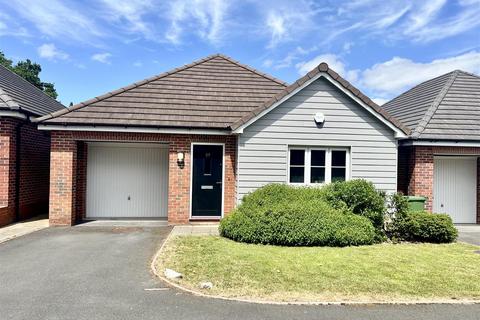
{"x": 420, "y": 128}
{"x": 8, "y": 101}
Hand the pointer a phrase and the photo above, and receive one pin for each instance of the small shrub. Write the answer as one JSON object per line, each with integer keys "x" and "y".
{"x": 358, "y": 196}
{"x": 424, "y": 227}
{"x": 296, "y": 223}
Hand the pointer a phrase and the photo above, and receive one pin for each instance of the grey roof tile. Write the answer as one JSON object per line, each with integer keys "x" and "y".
{"x": 443, "y": 108}
{"x": 19, "y": 95}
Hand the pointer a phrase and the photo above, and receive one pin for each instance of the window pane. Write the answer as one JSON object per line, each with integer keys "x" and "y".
{"x": 339, "y": 158}
{"x": 317, "y": 175}
{"x": 207, "y": 164}
{"x": 297, "y": 174}
{"x": 338, "y": 174}
{"x": 318, "y": 158}
{"x": 297, "y": 157}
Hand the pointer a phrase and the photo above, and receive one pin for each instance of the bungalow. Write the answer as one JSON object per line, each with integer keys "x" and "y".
{"x": 24, "y": 151}
{"x": 188, "y": 144}
{"x": 440, "y": 160}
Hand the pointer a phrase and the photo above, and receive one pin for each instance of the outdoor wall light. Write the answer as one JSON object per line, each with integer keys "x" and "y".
{"x": 181, "y": 159}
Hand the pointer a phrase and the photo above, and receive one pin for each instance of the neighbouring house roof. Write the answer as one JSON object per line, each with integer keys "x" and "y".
{"x": 17, "y": 94}
{"x": 210, "y": 93}
{"x": 322, "y": 68}
{"x": 444, "y": 108}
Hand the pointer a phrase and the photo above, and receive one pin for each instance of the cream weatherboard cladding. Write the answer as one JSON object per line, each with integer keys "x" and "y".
{"x": 263, "y": 146}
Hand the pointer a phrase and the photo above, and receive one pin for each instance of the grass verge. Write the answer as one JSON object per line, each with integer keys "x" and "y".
{"x": 383, "y": 272}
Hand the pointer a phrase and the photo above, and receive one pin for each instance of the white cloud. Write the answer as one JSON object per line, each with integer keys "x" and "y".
{"x": 333, "y": 62}
{"x": 267, "y": 63}
{"x": 50, "y": 51}
{"x": 392, "y": 77}
{"x": 385, "y": 80}
{"x": 425, "y": 14}
{"x": 102, "y": 57}
{"x": 55, "y": 19}
{"x": 288, "y": 21}
{"x": 206, "y": 18}
{"x": 276, "y": 24}
{"x": 138, "y": 64}
{"x": 129, "y": 15}
{"x": 418, "y": 21}
{"x": 10, "y": 27}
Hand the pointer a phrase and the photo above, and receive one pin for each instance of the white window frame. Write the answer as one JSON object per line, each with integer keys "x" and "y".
{"x": 328, "y": 163}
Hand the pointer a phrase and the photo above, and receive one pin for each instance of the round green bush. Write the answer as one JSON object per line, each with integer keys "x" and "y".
{"x": 424, "y": 227}
{"x": 358, "y": 196}
{"x": 296, "y": 223}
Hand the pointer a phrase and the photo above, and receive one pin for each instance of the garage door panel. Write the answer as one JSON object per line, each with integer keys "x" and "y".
{"x": 127, "y": 181}
{"x": 455, "y": 188}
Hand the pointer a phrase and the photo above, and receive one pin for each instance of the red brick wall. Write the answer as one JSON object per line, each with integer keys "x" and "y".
{"x": 34, "y": 170}
{"x": 416, "y": 170}
{"x": 68, "y": 172}
{"x": 7, "y": 170}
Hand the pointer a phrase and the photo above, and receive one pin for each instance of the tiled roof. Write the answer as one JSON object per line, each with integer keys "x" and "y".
{"x": 17, "y": 94}
{"x": 323, "y": 67}
{"x": 211, "y": 93}
{"x": 443, "y": 108}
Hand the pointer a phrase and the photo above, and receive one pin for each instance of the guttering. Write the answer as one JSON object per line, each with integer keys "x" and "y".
{"x": 13, "y": 114}
{"x": 440, "y": 143}
{"x": 133, "y": 129}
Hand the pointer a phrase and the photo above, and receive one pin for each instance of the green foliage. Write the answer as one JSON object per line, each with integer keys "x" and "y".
{"x": 30, "y": 71}
{"x": 424, "y": 227}
{"x": 359, "y": 197}
{"x": 284, "y": 215}
{"x": 7, "y": 63}
{"x": 397, "y": 205}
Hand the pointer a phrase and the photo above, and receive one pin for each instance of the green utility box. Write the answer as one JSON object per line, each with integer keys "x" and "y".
{"x": 416, "y": 203}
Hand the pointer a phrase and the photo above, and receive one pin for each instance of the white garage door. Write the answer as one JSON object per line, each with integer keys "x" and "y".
{"x": 127, "y": 180}
{"x": 455, "y": 188}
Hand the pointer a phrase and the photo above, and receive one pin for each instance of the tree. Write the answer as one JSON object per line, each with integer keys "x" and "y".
{"x": 30, "y": 71}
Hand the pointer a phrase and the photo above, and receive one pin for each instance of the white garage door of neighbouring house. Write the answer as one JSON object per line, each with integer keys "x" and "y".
{"x": 455, "y": 188}
{"x": 127, "y": 180}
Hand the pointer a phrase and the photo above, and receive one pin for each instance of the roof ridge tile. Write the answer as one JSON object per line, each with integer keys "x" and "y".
{"x": 434, "y": 106}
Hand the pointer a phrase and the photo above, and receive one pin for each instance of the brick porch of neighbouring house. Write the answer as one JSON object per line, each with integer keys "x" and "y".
{"x": 416, "y": 170}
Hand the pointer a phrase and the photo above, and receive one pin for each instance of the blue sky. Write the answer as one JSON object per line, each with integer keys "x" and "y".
{"x": 383, "y": 47}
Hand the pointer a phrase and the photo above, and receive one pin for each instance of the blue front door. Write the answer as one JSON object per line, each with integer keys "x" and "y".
{"x": 207, "y": 180}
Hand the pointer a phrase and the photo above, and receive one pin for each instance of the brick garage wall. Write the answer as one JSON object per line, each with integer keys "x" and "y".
{"x": 416, "y": 170}
{"x": 34, "y": 170}
{"x": 69, "y": 165}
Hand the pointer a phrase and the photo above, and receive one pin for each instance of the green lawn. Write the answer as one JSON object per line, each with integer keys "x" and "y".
{"x": 383, "y": 272}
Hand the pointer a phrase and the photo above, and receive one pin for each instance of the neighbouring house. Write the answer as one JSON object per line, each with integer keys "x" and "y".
{"x": 188, "y": 144}
{"x": 24, "y": 151}
{"x": 440, "y": 160}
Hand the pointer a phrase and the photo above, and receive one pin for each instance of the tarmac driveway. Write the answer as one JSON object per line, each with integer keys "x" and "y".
{"x": 103, "y": 273}
{"x": 469, "y": 233}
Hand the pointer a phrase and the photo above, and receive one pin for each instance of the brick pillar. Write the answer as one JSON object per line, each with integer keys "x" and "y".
{"x": 63, "y": 162}
{"x": 7, "y": 170}
{"x": 421, "y": 182}
{"x": 179, "y": 181}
